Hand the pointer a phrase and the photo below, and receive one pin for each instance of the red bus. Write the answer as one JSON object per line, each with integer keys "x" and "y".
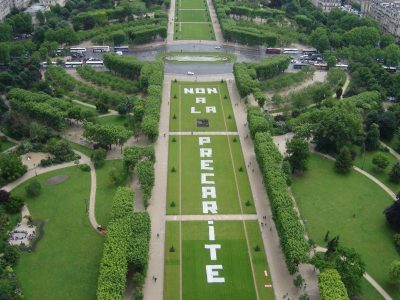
{"x": 273, "y": 51}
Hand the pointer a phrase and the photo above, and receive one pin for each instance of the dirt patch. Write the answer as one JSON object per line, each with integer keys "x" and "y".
{"x": 57, "y": 179}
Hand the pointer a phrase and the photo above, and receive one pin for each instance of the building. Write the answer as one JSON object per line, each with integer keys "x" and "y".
{"x": 7, "y": 5}
{"x": 327, "y": 5}
{"x": 385, "y": 12}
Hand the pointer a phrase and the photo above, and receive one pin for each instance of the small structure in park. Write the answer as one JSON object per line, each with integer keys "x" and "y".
{"x": 202, "y": 123}
{"x": 24, "y": 232}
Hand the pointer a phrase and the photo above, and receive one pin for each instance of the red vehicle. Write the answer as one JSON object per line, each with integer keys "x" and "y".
{"x": 273, "y": 51}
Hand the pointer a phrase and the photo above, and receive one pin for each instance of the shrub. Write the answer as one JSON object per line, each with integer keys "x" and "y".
{"x": 14, "y": 205}
{"x": 84, "y": 168}
{"x": 33, "y": 189}
{"x": 344, "y": 163}
{"x": 331, "y": 286}
{"x": 123, "y": 203}
{"x": 380, "y": 162}
{"x": 98, "y": 157}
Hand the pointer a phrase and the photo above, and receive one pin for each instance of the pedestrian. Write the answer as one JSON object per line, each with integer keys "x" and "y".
{"x": 158, "y": 235}
{"x": 270, "y": 229}
{"x": 155, "y": 279}
{"x": 252, "y": 170}
{"x": 164, "y": 134}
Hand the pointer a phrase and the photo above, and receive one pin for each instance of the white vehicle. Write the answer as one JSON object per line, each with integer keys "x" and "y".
{"x": 217, "y": 47}
{"x": 73, "y": 64}
{"x": 119, "y": 53}
{"x": 95, "y": 63}
{"x": 190, "y": 73}
{"x": 77, "y": 50}
{"x": 101, "y": 49}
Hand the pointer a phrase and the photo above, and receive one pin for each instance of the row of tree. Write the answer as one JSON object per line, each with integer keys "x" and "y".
{"x": 331, "y": 286}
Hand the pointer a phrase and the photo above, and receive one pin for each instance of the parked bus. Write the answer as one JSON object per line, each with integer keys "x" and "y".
{"x": 273, "y": 50}
{"x": 298, "y": 66}
{"x": 77, "y": 50}
{"x": 45, "y": 65}
{"x": 309, "y": 51}
{"x": 73, "y": 64}
{"x": 319, "y": 66}
{"x": 95, "y": 63}
{"x": 290, "y": 51}
{"x": 390, "y": 69}
{"x": 342, "y": 66}
{"x": 100, "y": 49}
{"x": 121, "y": 48}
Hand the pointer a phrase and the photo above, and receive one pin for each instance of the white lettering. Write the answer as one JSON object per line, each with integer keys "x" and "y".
{"x": 211, "y": 232}
{"x": 200, "y": 100}
{"x": 200, "y": 90}
{"x": 211, "y": 109}
{"x": 212, "y": 274}
{"x": 212, "y": 91}
{"x": 188, "y": 90}
{"x": 194, "y": 111}
{"x": 205, "y": 164}
{"x": 204, "y": 179}
{"x": 204, "y": 140}
{"x": 205, "y": 152}
{"x": 208, "y": 192}
{"x": 210, "y": 206}
{"x": 213, "y": 250}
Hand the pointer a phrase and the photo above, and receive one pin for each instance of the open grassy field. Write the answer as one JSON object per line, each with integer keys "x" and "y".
{"x": 114, "y": 120}
{"x": 5, "y": 145}
{"x": 66, "y": 261}
{"x": 105, "y": 190}
{"x": 233, "y": 256}
{"x": 182, "y": 118}
{"x": 185, "y": 182}
{"x": 192, "y": 21}
{"x": 350, "y": 206}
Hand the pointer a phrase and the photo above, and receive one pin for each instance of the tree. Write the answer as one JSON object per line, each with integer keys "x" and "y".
{"x": 392, "y": 55}
{"x": 14, "y": 205}
{"x": 37, "y": 132}
{"x": 380, "y": 162}
{"x": 394, "y": 272}
{"x": 5, "y": 32}
{"x": 343, "y": 163}
{"x": 394, "y": 174}
{"x": 11, "y": 254}
{"x": 98, "y": 157}
{"x": 4, "y": 196}
{"x": 392, "y": 214}
{"x": 387, "y": 124}
{"x": 33, "y": 189}
{"x": 319, "y": 39}
{"x": 299, "y": 153}
{"x": 11, "y": 168}
{"x": 372, "y": 139}
{"x": 61, "y": 149}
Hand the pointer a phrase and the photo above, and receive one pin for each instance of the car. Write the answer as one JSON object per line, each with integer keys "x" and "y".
{"x": 217, "y": 47}
{"x": 119, "y": 53}
{"x": 190, "y": 73}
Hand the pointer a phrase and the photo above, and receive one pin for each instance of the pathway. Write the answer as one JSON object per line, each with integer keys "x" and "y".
{"x": 368, "y": 277}
{"x": 240, "y": 217}
{"x": 216, "y": 26}
{"x": 203, "y": 133}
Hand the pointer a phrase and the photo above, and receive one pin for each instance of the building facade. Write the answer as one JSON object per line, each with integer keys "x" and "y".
{"x": 7, "y": 5}
{"x": 385, "y": 12}
{"x": 327, "y": 5}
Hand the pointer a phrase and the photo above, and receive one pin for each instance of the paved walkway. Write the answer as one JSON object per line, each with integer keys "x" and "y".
{"x": 216, "y": 26}
{"x": 211, "y": 217}
{"x": 368, "y": 277}
{"x": 203, "y": 133}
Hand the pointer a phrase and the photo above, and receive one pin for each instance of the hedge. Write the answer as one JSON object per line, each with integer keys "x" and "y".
{"x": 331, "y": 286}
{"x": 145, "y": 171}
{"x": 290, "y": 230}
{"x": 123, "y": 203}
{"x": 257, "y": 121}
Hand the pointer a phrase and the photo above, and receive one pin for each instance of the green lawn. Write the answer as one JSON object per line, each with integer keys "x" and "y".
{"x": 105, "y": 190}
{"x": 193, "y": 16}
{"x": 233, "y": 256}
{"x": 350, "y": 206}
{"x": 113, "y": 120}
{"x": 194, "y": 31}
{"x": 66, "y": 261}
{"x": 172, "y": 261}
{"x": 4, "y": 146}
{"x": 365, "y": 162}
{"x": 83, "y": 149}
{"x": 191, "y": 4}
{"x": 226, "y": 192}
{"x": 181, "y": 116}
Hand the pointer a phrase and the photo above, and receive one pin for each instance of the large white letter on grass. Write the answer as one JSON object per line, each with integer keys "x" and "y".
{"x": 205, "y": 164}
{"x": 212, "y": 91}
{"x": 211, "y": 231}
{"x": 211, "y": 109}
{"x": 208, "y": 192}
{"x": 194, "y": 111}
{"x": 200, "y": 100}
{"x": 204, "y": 140}
{"x": 212, "y": 274}
{"x": 205, "y": 152}
{"x": 200, "y": 90}
{"x": 210, "y": 206}
{"x": 213, "y": 250}
{"x": 204, "y": 179}
{"x": 188, "y": 90}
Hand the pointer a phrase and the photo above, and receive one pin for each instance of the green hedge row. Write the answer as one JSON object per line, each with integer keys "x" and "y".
{"x": 331, "y": 286}
{"x": 290, "y": 230}
{"x": 257, "y": 121}
{"x": 123, "y": 203}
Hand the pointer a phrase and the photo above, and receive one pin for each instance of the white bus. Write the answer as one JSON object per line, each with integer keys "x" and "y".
{"x": 95, "y": 63}
{"x": 44, "y": 64}
{"x": 101, "y": 49}
{"x": 342, "y": 66}
{"x": 290, "y": 51}
{"x": 121, "y": 48}
{"x": 73, "y": 64}
{"x": 77, "y": 50}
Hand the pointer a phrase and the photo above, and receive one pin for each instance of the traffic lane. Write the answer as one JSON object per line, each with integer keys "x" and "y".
{"x": 199, "y": 69}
